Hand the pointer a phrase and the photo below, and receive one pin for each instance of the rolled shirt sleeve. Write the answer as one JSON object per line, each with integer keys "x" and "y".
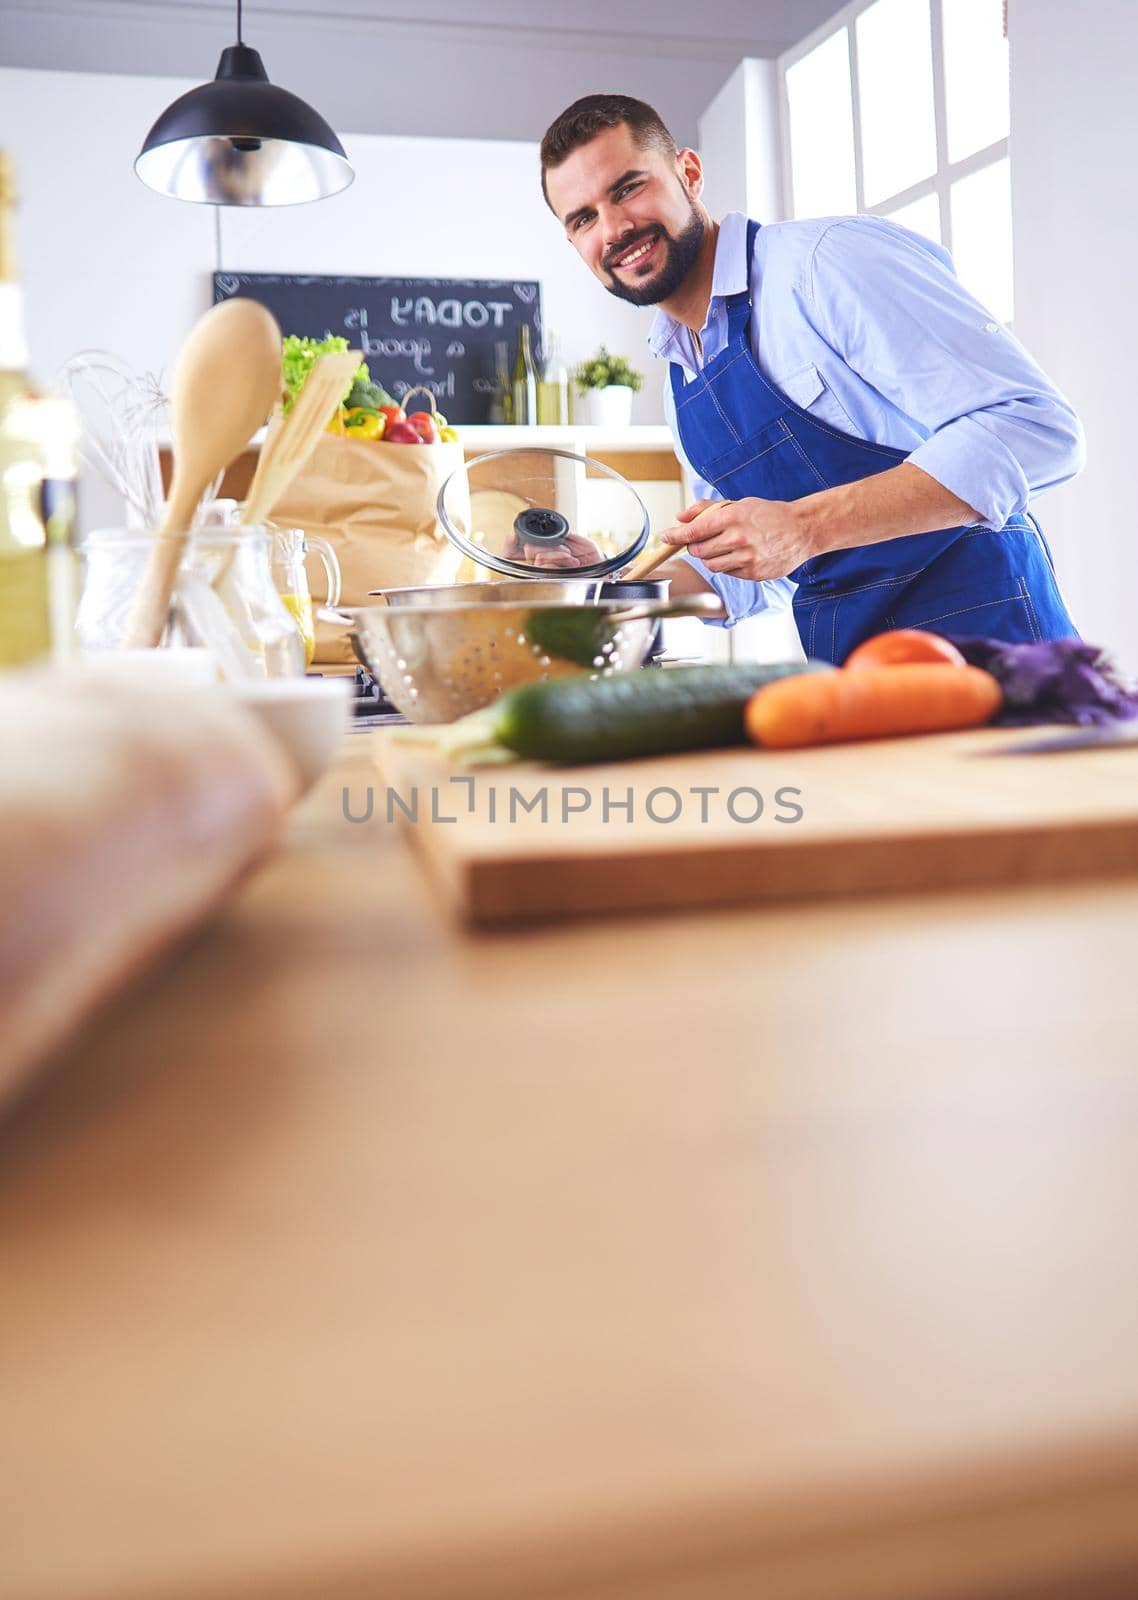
{"x": 889, "y": 304}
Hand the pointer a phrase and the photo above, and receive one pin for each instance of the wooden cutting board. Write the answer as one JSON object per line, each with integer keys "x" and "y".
{"x": 742, "y": 826}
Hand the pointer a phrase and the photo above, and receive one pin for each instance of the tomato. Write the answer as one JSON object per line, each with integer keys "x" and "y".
{"x": 424, "y": 425}
{"x": 393, "y": 414}
{"x": 402, "y": 433}
{"x": 904, "y": 647}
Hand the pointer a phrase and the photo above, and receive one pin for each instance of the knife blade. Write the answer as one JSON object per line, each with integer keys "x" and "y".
{"x": 1114, "y": 736}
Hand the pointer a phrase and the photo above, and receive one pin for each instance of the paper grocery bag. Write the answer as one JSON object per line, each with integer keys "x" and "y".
{"x": 375, "y": 503}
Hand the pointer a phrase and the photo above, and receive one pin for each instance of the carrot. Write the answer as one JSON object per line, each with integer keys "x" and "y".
{"x": 903, "y": 646}
{"x": 873, "y": 703}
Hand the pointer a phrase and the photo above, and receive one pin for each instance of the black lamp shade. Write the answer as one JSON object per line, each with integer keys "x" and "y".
{"x": 241, "y": 141}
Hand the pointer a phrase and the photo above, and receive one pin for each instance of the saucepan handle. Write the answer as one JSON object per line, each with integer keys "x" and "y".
{"x": 708, "y": 606}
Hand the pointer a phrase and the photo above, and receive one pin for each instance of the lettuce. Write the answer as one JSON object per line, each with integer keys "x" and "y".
{"x": 298, "y": 356}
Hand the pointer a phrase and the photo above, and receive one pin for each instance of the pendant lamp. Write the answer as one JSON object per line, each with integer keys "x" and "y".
{"x": 241, "y": 141}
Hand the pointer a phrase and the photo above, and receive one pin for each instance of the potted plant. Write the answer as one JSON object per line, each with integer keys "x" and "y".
{"x": 607, "y": 384}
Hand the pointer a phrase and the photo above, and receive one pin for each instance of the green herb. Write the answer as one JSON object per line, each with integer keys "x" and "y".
{"x": 603, "y": 369}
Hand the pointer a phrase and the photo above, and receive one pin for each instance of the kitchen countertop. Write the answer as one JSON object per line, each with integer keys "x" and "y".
{"x": 779, "y": 1250}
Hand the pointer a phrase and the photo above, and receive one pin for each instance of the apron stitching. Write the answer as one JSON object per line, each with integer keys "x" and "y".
{"x": 806, "y": 461}
{"x": 691, "y": 391}
{"x": 897, "y": 456}
{"x": 885, "y": 583}
{"x": 738, "y": 467}
{"x": 1030, "y": 609}
{"x": 834, "y": 633}
{"x": 718, "y": 371}
{"x": 963, "y": 610}
{"x": 716, "y": 403}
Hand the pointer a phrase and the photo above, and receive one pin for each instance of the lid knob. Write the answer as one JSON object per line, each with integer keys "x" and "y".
{"x": 538, "y": 526}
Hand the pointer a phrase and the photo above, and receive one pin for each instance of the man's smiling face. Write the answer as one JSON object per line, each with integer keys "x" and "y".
{"x": 630, "y": 213}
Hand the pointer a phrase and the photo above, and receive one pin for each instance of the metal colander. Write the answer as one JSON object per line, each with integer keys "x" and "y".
{"x": 438, "y": 663}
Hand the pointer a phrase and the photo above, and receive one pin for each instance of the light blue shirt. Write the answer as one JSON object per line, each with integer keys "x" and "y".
{"x": 864, "y": 325}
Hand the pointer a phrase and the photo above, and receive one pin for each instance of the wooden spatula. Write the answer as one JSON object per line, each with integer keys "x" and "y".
{"x": 226, "y": 381}
{"x": 286, "y": 452}
{"x": 648, "y": 560}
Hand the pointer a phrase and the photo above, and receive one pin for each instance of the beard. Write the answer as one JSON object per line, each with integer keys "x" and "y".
{"x": 680, "y": 253}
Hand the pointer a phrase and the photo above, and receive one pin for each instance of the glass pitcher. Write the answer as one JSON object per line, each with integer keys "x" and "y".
{"x": 224, "y": 598}
{"x": 290, "y": 547}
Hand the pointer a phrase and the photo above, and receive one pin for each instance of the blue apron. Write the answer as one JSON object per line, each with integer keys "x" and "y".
{"x": 744, "y": 436}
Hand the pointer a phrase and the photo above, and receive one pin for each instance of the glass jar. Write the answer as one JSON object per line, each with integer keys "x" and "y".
{"x": 224, "y": 598}
{"x": 290, "y": 548}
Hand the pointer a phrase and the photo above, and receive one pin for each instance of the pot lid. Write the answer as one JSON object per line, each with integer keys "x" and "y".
{"x": 538, "y": 513}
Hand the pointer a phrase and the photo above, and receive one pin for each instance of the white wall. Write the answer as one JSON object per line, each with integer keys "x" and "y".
{"x": 1074, "y": 162}
{"x": 105, "y": 262}
{"x": 108, "y": 264}
{"x": 739, "y": 143}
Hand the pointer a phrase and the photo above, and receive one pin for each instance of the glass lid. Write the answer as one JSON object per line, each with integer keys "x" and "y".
{"x": 533, "y": 512}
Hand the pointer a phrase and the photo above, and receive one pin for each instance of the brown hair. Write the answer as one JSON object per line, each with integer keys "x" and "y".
{"x": 591, "y": 115}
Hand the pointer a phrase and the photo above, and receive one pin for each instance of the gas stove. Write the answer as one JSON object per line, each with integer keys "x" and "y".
{"x": 370, "y": 706}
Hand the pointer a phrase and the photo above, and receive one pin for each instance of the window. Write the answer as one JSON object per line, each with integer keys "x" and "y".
{"x": 821, "y": 109}
{"x": 899, "y": 108}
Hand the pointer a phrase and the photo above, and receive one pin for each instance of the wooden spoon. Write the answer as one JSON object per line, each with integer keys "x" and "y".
{"x": 226, "y": 381}
{"x": 649, "y": 560}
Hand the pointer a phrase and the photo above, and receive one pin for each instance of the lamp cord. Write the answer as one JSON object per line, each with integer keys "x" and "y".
{"x": 239, "y": 38}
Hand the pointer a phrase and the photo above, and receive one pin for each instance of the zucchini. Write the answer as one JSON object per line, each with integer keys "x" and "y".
{"x": 630, "y": 714}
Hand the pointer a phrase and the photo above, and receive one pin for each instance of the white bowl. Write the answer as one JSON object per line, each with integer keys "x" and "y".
{"x": 307, "y": 716}
{"x": 172, "y": 667}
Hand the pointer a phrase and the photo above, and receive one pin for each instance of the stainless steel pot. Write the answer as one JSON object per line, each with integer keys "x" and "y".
{"x": 437, "y": 663}
{"x": 563, "y": 591}
{"x": 515, "y": 591}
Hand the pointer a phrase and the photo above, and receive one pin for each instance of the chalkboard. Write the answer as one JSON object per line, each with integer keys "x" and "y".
{"x": 435, "y": 332}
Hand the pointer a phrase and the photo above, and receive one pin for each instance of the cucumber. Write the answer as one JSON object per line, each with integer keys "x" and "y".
{"x": 646, "y": 713}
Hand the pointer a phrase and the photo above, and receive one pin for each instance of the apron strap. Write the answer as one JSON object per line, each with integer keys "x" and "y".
{"x": 738, "y": 307}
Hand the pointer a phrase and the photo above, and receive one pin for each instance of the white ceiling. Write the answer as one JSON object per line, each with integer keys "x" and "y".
{"x": 456, "y": 68}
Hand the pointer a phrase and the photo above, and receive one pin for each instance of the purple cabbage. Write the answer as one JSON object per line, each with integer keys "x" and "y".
{"x": 1058, "y": 680}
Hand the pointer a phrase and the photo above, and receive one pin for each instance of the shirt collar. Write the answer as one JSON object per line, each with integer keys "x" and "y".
{"x": 730, "y": 274}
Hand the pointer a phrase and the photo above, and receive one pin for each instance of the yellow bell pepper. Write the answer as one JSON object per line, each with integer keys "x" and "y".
{"x": 361, "y": 424}
{"x": 448, "y": 435}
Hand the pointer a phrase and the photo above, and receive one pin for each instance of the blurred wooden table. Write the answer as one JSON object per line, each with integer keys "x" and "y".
{"x": 780, "y": 1252}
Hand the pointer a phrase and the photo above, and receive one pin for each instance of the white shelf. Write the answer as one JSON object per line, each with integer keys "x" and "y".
{"x": 578, "y": 437}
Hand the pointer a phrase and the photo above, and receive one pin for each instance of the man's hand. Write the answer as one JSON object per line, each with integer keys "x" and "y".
{"x": 761, "y": 539}
{"x": 574, "y": 551}
{"x": 755, "y": 539}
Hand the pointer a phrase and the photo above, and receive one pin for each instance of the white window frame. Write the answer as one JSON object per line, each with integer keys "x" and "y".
{"x": 947, "y": 172}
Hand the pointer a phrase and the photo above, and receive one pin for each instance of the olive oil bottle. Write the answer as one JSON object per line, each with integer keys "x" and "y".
{"x": 37, "y": 482}
{"x": 553, "y": 390}
{"x": 525, "y": 381}
{"x": 502, "y": 400}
